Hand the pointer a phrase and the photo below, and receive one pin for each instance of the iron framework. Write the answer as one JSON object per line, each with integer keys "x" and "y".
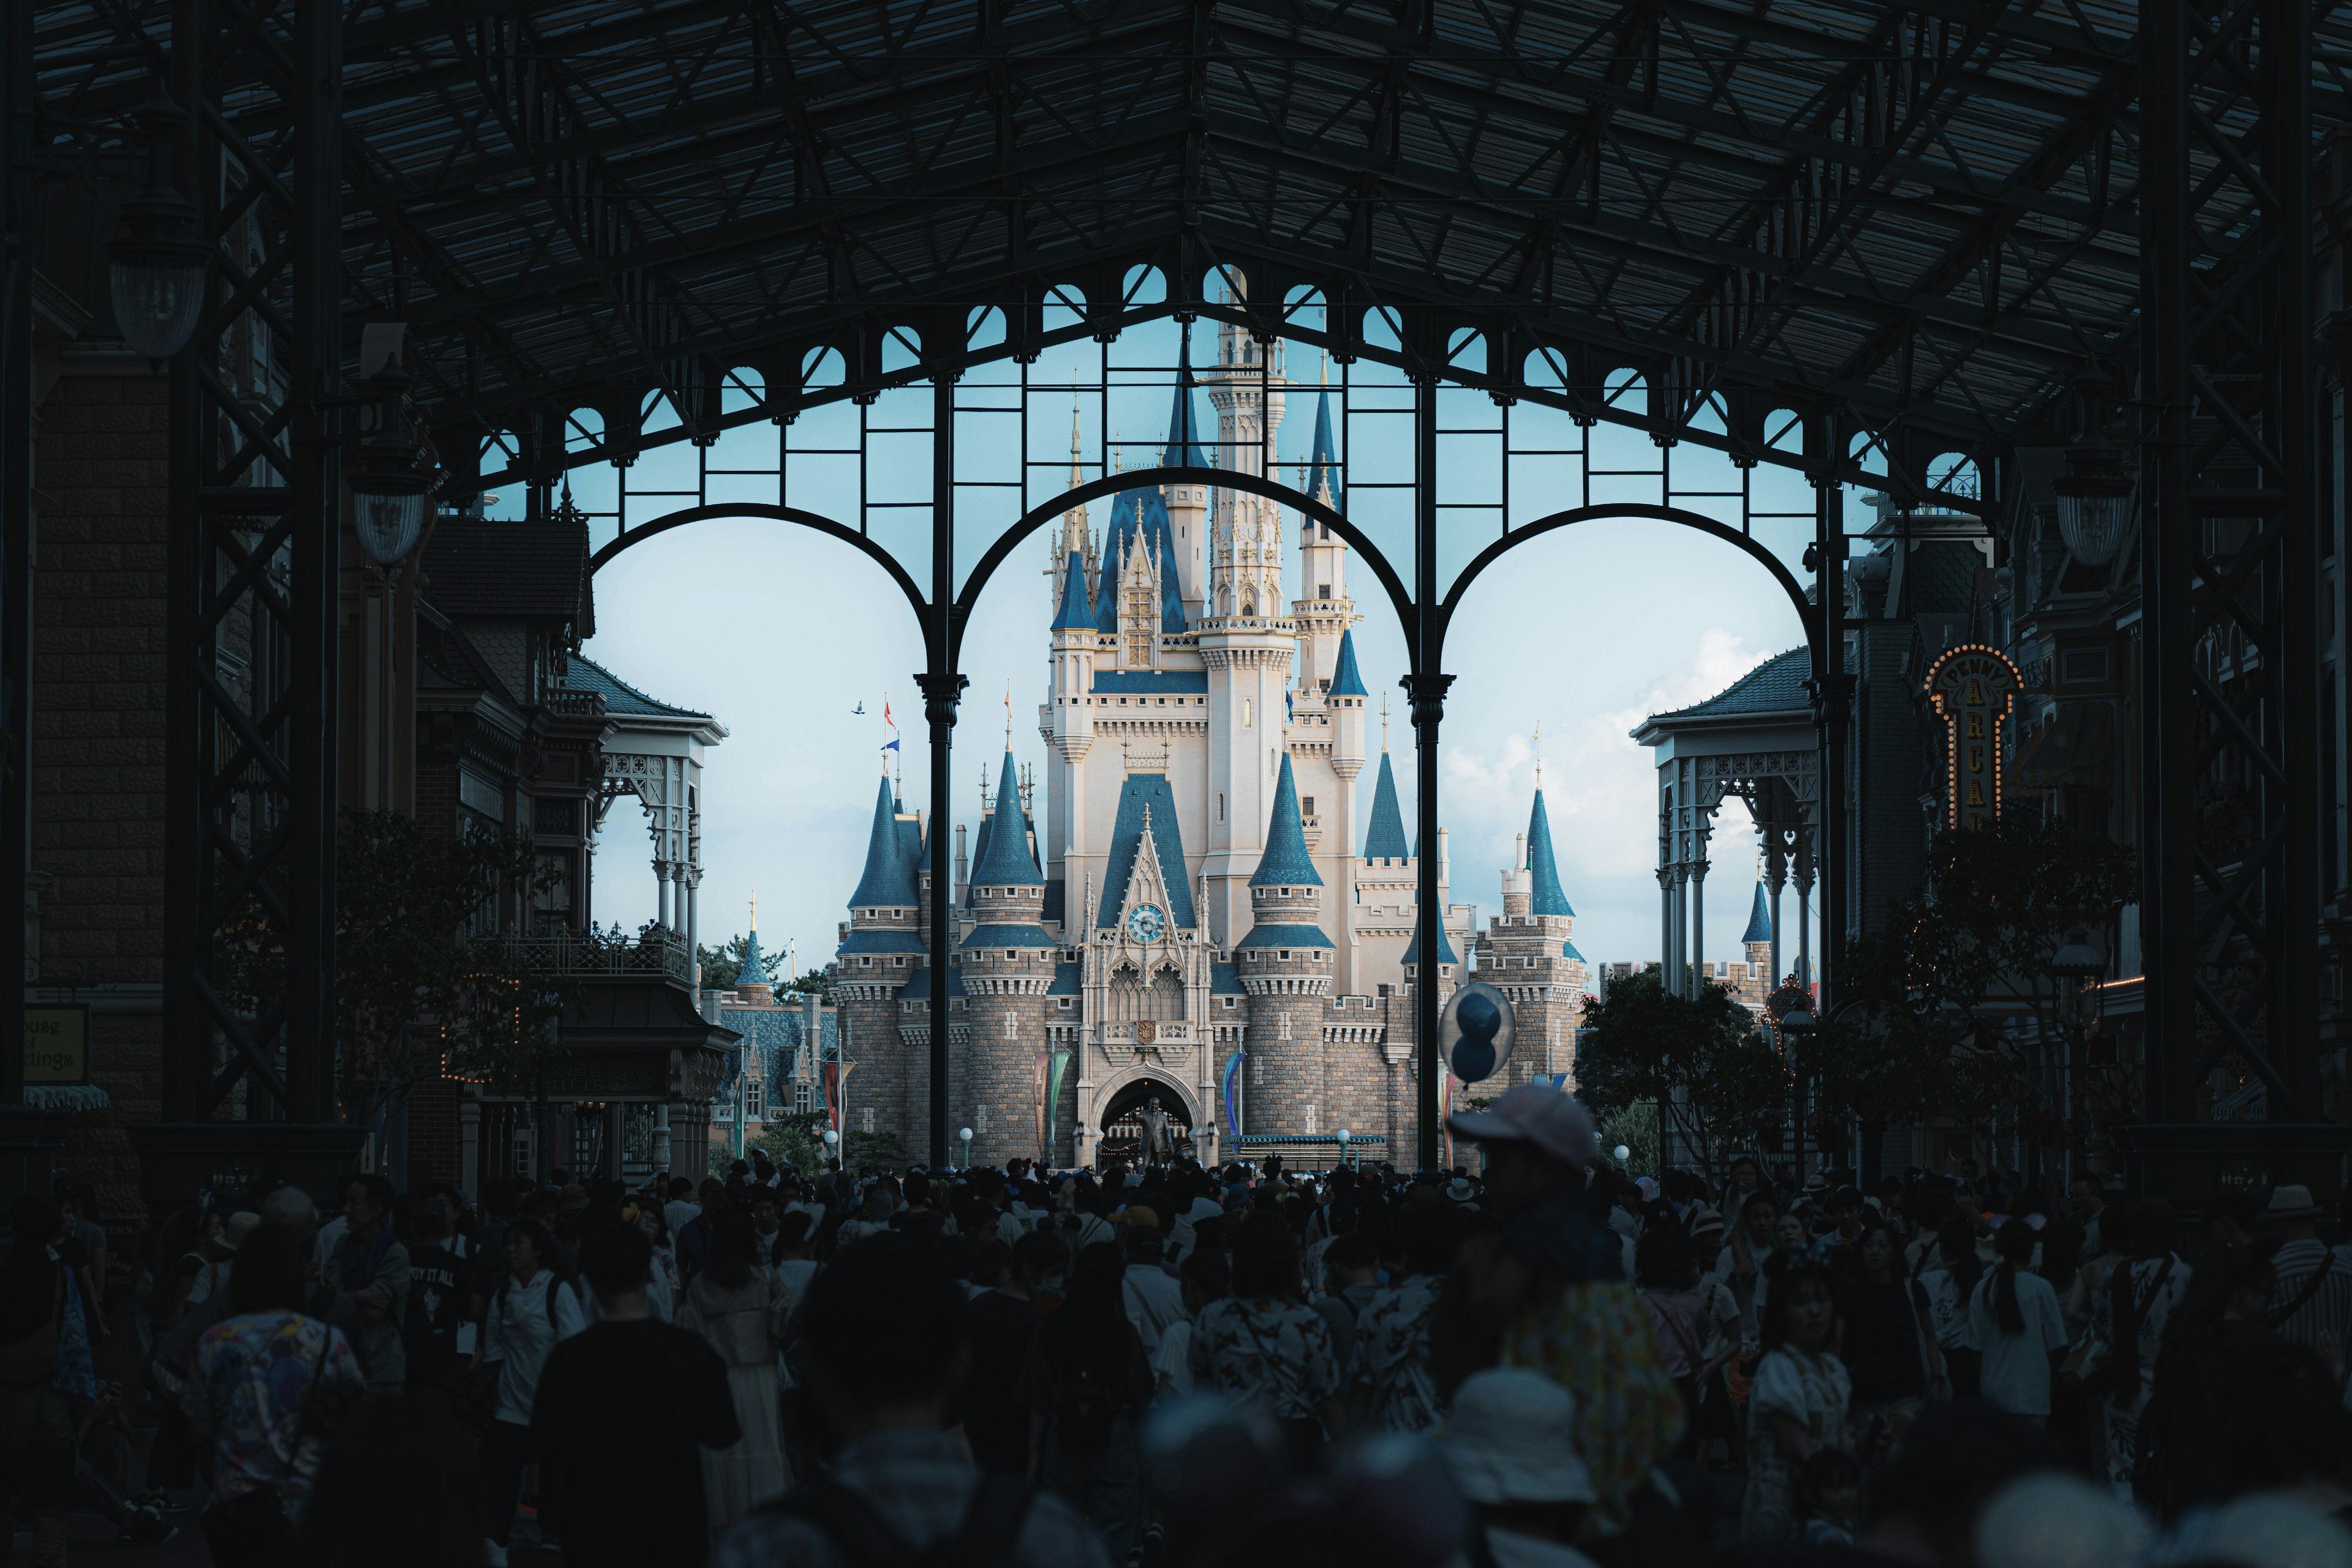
{"x": 1914, "y": 227}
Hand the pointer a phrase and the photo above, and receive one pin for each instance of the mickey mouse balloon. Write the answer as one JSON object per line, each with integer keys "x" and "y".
{"x": 1474, "y": 1031}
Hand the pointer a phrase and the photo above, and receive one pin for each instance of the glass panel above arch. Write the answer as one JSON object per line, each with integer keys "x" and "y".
{"x": 1237, "y": 390}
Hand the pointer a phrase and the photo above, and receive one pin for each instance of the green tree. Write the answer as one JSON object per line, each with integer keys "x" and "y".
{"x": 817, "y": 983}
{"x": 1914, "y": 1035}
{"x": 425, "y": 976}
{"x": 795, "y": 1143}
{"x": 1700, "y": 1062}
{"x": 722, "y": 966}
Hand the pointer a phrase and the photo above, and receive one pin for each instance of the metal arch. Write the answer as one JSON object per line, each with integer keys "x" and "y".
{"x": 1136, "y": 478}
{"x": 865, "y": 546}
{"x": 1806, "y": 611}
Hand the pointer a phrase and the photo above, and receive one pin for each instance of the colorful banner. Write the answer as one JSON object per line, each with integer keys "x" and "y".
{"x": 1054, "y": 1101}
{"x": 1232, "y": 1094}
{"x": 1045, "y": 1070}
{"x": 832, "y": 1095}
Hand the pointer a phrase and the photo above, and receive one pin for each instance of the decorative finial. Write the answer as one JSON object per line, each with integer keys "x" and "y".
{"x": 1323, "y": 372}
{"x": 1008, "y": 716}
{"x": 1384, "y": 722}
{"x": 755, "y": 909}
{"x": 1074, "y": 480}
{"x": 1539, "y": 744}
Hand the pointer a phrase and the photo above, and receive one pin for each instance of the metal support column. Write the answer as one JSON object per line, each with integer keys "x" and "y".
{"x": 2231, "y": 860}
{"x": 942, "y": 690}
{"x": 17, "y": 424}
{"x": 1832, "y": 686}
{"x": 254, "y": 531}
{"x": 1426, "y": 688}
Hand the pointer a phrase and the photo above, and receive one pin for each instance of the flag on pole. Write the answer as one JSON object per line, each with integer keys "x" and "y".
{"x": 892, "y": 743}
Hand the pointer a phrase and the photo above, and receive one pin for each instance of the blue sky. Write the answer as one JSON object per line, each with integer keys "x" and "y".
{"x": 781, "y": 633}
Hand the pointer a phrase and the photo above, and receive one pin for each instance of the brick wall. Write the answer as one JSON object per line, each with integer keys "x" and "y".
{"x": 98, "y": 735}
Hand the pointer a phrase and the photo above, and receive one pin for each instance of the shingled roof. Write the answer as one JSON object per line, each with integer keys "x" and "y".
{"x": 513, "y": 571}
{"x": 1776, "y": 686}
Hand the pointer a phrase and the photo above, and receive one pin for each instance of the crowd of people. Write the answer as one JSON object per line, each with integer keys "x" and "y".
{"x": 1546, "y": 1364}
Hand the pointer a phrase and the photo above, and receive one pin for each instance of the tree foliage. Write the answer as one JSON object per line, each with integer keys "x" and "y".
{"x": 1916, "y": 1041}
{"x": 424, "y": 970}
{"x": 1701, "y": 1061}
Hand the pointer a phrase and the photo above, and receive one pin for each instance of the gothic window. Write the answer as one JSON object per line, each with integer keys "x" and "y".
{"x": 1140, "y": 623}
{"x": 751, "y": 1099}
{"x": 1128, "y": 1001}
{"x": 1166, "y": 995}
{"x": 803, "y": 1098}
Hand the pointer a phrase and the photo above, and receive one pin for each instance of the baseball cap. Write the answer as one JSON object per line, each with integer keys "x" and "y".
{"x": 1551, "y": 1121}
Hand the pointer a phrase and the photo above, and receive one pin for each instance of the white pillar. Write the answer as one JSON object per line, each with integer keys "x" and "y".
{"x": 661, "y": 1144}
{"x": 1698, "y": 925}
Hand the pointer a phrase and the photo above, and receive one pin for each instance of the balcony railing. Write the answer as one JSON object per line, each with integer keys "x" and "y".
{"x": 656, "y": 952}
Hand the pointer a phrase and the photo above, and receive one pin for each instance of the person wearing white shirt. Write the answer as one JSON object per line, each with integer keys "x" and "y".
{"x": 529, "y": 1312}
{"x": 1155, "y": 1300}
{"x": 2015, "y": 1319}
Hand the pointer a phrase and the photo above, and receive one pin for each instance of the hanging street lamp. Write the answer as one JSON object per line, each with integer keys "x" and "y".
{"x": 158, "y": 269}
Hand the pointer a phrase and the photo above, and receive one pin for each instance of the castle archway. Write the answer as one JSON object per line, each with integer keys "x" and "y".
{"x": 1121, "y": 1119}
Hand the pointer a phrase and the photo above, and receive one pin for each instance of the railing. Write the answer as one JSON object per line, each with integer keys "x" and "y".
{"x": 1310, "y": 1151}
{"x": 575, "y": 704}
{"x": 658, "y": 952}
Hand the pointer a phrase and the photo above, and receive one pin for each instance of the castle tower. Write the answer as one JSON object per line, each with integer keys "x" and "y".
{"x": 1341, "y": 715}
{"x": 1247, "y": 641}
{"x": 1069, "y": 721}
{"x": 1285, "y": 967}
{"x": 1006, "y": 964}
{"x": 1323, "y": 609}
{"x": 880, "y": 951}
{"x": 1402, "y": 1040}
{"x": 1527, "y": 950}
{"x": 1188, "y": 504}
{"x": 1756, "y": 942}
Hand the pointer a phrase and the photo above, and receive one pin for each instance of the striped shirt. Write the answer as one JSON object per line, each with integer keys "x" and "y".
{"x": 2320, "y": 1324}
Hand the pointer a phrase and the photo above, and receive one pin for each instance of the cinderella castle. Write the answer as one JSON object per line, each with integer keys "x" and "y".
{"x": 1189, "y": 921}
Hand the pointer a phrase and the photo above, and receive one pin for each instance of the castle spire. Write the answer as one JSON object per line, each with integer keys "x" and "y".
{"x": 1005, "y": 860}
{"x": 1545, "y": 897}
{"x": 1760, "y": 918}
{"x": 888, "y": 879}
{"x": 1346, "y": 679}
{"x": 1285, "y": 863}
{"x": 1073, "y": 613}
{"x": 1386, "y": 840}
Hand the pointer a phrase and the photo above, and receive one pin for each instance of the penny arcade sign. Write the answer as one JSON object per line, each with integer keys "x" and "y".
{"x": 1973, "y": 689}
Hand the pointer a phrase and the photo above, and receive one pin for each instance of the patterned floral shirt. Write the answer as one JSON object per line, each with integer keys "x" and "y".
{"x": 1598, "y": 1343}
{"x": 253, "y": 1373}
{"x": 1265, "y": 1348}
{"x": 1392, "y": 1353}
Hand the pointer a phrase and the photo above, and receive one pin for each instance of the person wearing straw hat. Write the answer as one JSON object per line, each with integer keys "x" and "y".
{"x": 1550, "y": 1286}
{"x": 2312, "y": 1304}
{"x": 1511, "y": 1441}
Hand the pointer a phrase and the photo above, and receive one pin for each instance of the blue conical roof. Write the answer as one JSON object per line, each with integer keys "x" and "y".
{"x": 1285, "y": 863}
{"x": 755, "y": 968}
{"x": 889, "y": 876}
{"x": 1171, "y": 586}
{"x": 1346, "y": 680}
{"x": 1073, "y": 612}
{"x": 1386, "y": 840}
{"x": 1445, "y": 946}
{"x": 1139, "y": 514}
{"x": 1006, "y": 862}
{"x": 1760, "y": 918}
{"x": 1185, "y": 448}
{"x": 1543, "y": 872}
{"x": 1323, "y": 461}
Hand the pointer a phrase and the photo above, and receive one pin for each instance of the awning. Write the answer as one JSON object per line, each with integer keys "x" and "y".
{"x": 2075, "y": 746}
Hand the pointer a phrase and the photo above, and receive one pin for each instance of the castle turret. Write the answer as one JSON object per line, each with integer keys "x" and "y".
{"x": 1285, "y": 965}
{"x": 1756, "y": 942}
{"x": 1069, "y": 722}
{"x": 1342, "y": 718}
{"x": 1527, "y": 952}
{"x": 1323, "y": 609}
{"x": 1006, "y": 966}
{"x": 880, "y": 950}
{"x": 1188, "y": 504}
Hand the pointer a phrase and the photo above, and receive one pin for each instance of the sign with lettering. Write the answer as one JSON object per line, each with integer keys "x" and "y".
{"x": 57, "y": 1045}
{"x": 1973, "y": 689}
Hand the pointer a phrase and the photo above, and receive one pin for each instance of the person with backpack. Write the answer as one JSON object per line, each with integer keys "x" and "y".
{"x": 628, "y": 1415}
{"x": 1086, "y": 1386}
{"x": 1264, "y": 1346}
{"x": 533, "y": 1309}
{"x": 372, "y": 1266}
{"x": 881, "y": 1351}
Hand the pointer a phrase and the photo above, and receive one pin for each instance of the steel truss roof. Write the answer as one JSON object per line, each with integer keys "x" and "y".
{"x": 1922, "y": 217}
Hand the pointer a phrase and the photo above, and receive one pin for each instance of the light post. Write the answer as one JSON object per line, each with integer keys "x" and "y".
{"x": 1624, "y": 1151}
{"x": 389, "y": 484}
{"x": 964, "y": 1134}
{"x": 1343, "y": 1145}
{"x": 832, "y": 1145}
{"x": 2077, "y": 967}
